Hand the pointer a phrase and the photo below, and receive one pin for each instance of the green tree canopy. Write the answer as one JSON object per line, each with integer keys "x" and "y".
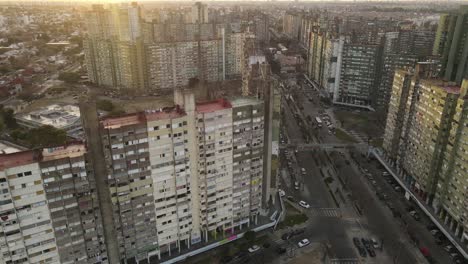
{"x": 105, "y": 105}
{"x": 250, "y": 236}
{"x": 69, "y": 77}
{"x": 45, "y": 136}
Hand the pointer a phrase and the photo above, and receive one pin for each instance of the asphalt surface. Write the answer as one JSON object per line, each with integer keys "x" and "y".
{"x": 313, "y": 190}
{"x": 417, "y": 230}
{"x": 377, "y": 217}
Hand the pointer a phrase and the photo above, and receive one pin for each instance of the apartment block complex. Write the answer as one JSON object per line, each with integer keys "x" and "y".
{"x": 48, "y": 210}
{"x": 292, "y": 22}
{"x": 353, "y": 59}
{"x": 325, "y": 56}
{"x": 181, "y": 175}
{"x": 450, "y": 44}
{"x": 424, "y": 136}
{"x": 124, "y": 52}
{"x": 349, "y": 72}
{"x": 360, "y": 70}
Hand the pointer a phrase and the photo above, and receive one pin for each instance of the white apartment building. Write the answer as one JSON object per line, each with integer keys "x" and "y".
{"x": 47, "y": 211}
{"x": 27, "y": 231}
{"x": 177, "y": 176}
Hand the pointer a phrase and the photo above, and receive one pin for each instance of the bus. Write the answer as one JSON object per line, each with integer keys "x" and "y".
{"x": 319, "y": 122}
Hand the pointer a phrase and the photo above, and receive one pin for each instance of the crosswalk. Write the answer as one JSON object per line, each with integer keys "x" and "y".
{"x": 361, "y": 138}
{"x": 344, "y": 261}
{"x": 327, "y": 212}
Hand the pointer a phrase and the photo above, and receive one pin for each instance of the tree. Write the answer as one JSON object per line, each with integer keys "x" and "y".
{"x": 69, "y": 77}
{"x": 7, "y": 117}
{"x": 250, "y": 236}
{"x": 105, "y": 105}
{"x": 45, "y": 136}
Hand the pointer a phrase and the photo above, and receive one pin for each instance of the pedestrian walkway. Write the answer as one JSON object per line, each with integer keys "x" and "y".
{"x": 344, "y": 261}
{"x": 359, "y": 137}
{"x": 327, "y": 212}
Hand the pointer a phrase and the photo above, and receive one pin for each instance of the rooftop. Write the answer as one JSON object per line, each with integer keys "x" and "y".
{"x": 66, "y": 151}
{"x": 57, "y": 115}
{"x": 165, "y": 113}
{"x": 18, "y": 159}
{"x": 212, "y": 106}
{"x": 6, "y": 148}
{"x": 141, "y": 117}
{"x": 120, "y": 121}
{"x": 243, "y": 101}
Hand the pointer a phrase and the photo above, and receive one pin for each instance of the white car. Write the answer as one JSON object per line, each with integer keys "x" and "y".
{"x": 304, "y": 204}
{"x": 253, "y": 248}
{"x": 281, "y": 193}
{"x": 296, "y": 185}
{"x": 304, "y": 242}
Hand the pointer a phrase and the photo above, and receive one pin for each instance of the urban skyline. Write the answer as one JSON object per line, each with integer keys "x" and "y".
{"x": 233, "y": 132}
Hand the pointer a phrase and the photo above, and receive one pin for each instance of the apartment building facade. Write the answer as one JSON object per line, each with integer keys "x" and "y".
{"x": 450, "y": 44}
{"x": 292, "y": 22}
{"x": 49, "y": 212}
{"x": 124, "y": 52}
{"x": 360, "y": 69}
{"x": 450, "y": 197}
{"x": 181, "y": 175}
{"x": 425, "y": 136}
{"x": 325, "y": 55}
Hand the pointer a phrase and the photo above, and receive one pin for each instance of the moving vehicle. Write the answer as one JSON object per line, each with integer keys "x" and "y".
{"x": 304, "y": 204}
{"x": 304, "y": 242}
{"x": 318, "y": 121}
{"x": 253, "y": 248}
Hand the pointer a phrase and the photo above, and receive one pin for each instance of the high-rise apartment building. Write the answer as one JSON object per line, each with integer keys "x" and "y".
{"x": 199, "y": 13}
{"x": 450, "y": 44}
{"x": 425, "y": 136}
{"x": 450, "y": 197}
{"x": 324, "y": 60}
{"x": 292, "y": 22}
{"x": 123, "y": 52}
{"x": 391, "y": 62}
{"x": 49, "y": 211}
{"x": 360, "y": 70}
{"x": 181, "y": 175}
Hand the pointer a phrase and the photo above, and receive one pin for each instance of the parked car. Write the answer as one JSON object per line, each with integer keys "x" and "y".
{"x": 454, "y": 255}
{"x": 356, "y": 242}
{"x": 280, "y": 250}
{"x": 298, "y": 231}
{"x": 304, "y": 204}
{"x": 415, "y": 215}
{"x": 281, "y": 193}
{"x": 362, "y": 252}
{"x": 304, "y": 242}
{"x": 296, "y": 185}
{"x": 226, "y": 259}
{"x": 449, "y": 248}
{"x": 375, "y": 243}
{"x": 286, "y": 236}
{"x": 253, "y": 248}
